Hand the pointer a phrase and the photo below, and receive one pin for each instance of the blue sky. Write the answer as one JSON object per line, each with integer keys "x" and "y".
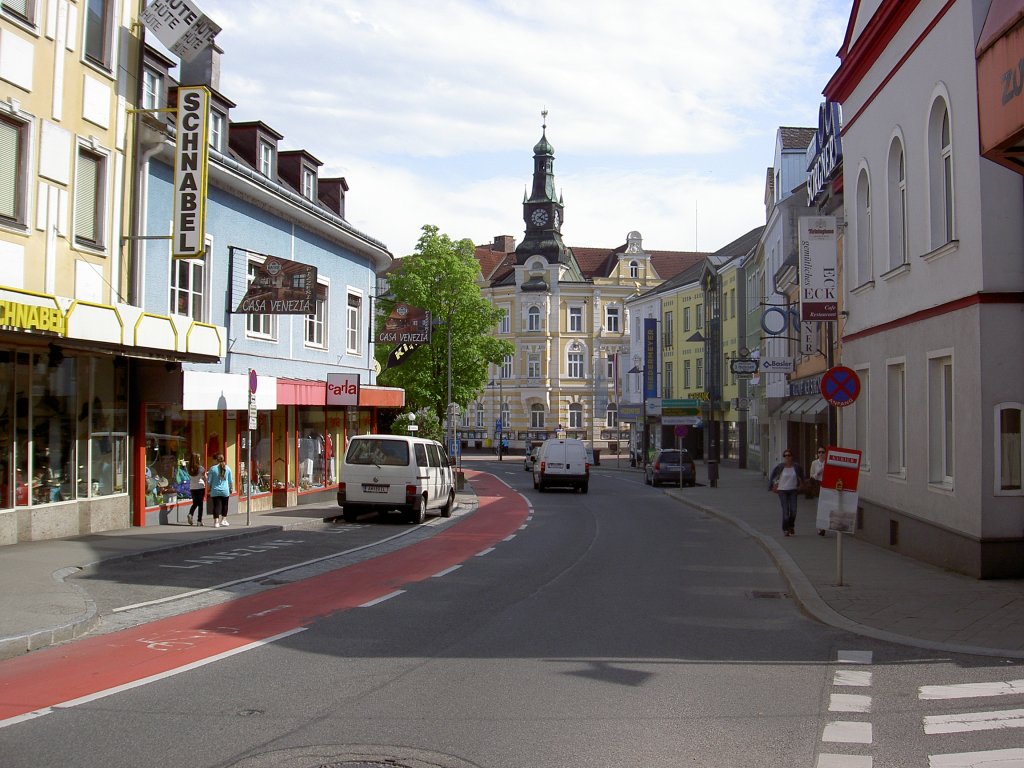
{"x": 662, "y": 113}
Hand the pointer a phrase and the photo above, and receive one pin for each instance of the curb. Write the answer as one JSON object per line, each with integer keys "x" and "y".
{"x": 811, "y": 603}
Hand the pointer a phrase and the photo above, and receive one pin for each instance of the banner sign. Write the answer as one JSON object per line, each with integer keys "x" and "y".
{"x": 191, "y": 159}
{"x": 280, "y": 287}
{"x": 343, "y": 389}
{"x": 180, "y": 26}
{"x": 650, "y": 386}
{"x": 405, "y": 324}
{"x": 819, "y": 298}
{"x": 825, "y": 152}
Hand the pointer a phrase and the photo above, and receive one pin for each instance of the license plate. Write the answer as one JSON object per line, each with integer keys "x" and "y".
{"x": 553, "y": 465}
{"x": 367, "y": 488}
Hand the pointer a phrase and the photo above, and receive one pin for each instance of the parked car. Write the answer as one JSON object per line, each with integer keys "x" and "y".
{"x": 385, "y": 473}
{"x": 666, "y": 469}
{"x": 562, "y": 463}
{"x": 530, "y": 458}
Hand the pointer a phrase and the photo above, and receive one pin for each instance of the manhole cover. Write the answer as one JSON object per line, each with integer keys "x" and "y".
{"x": 761, "y": 595}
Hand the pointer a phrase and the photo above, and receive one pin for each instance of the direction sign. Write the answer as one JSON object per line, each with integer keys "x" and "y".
{"x": 840, "y": 386}
{"x": 743, "y": 366}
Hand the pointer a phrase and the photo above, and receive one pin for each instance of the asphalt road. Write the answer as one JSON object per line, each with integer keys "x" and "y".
{"x": 616, "y": 628}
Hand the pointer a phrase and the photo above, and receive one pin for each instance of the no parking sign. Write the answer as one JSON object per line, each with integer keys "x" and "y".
{"x": 840, "y": 386}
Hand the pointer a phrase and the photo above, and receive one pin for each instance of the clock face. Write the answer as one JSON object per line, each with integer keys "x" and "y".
{"x": 539, "y": 217}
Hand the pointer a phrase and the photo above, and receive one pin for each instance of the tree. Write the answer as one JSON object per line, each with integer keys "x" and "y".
{"x": 440, "y": 277}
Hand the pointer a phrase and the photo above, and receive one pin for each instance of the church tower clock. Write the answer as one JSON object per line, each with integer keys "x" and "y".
{"x": 543, "y": 211}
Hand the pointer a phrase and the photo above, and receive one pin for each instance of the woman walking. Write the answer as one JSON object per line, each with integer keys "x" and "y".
{"x": 221, "y": 486}
{"x": 197, "y": 485}
{"x": 785, "y": 480}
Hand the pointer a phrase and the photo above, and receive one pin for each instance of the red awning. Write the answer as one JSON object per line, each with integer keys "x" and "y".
{"x": 306, "y": 392}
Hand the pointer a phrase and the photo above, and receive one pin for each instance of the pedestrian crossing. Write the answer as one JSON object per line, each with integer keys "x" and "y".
{"x": 848, "y": 740}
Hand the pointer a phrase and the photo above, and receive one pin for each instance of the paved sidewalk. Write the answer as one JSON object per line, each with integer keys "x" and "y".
{"x": 885, "y": 595}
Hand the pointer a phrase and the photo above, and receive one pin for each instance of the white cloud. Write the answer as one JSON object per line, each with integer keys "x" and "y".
{"x": 430, "y": 108}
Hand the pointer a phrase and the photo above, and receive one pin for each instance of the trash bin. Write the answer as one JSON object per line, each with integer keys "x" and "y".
{"x": 712, "y": 473}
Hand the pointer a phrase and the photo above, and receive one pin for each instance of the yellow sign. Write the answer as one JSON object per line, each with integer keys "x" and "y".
{"x": 27, "y": 317}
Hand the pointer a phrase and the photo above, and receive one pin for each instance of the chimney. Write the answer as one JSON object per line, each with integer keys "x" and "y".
{"x": 204, "y": 69}
{"x": 504, "y": 243}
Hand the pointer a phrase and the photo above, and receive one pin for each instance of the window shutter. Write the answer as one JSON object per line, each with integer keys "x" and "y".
{"x": 86, "y": 188}
{"x": 10, "y": 146}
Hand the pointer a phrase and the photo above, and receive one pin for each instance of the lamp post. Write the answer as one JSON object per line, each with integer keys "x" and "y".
{"x": 643, "y": 414}
{"x": 499, "y": 422}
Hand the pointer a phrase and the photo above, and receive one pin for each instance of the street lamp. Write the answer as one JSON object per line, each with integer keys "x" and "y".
{"x": 499, "y": 422}
{"x": 643, "y": 415}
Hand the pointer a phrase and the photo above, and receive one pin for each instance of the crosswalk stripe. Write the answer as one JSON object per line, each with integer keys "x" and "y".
{"x": 844, "y": 761}
{"x": 847, "y": 732}
{"x": 848, "y": 702}
{"x": 996, "y": 758}
{"x": 971, "y": 690}
{"x": 852, "y": 677}
{"x": 855, "y": 657}
{"x": 974, "y": 721}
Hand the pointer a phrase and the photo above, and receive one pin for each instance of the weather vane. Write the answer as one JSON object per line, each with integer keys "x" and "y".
{"x": 544, "y": 114}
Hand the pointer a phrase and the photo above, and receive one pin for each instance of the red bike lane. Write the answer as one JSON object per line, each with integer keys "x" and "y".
{"x": 90, "y": 668}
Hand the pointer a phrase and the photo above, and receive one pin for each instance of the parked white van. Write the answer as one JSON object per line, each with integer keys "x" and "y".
{"x": 562, "y": 463}
{"x": 385, "y": 473}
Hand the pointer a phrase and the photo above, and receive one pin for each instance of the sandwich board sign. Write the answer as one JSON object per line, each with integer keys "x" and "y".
{"x": 837, "y": 502}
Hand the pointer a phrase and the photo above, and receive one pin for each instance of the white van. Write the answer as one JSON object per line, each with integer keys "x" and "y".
{"x": 384, "y": 473}
{"x": 562, "y": 463}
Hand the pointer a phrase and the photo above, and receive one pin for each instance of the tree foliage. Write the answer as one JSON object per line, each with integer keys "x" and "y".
{"x": 440, "y": 276}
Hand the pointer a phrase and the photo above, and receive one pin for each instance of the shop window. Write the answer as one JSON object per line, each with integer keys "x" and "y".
{"x": 315, "y": 450}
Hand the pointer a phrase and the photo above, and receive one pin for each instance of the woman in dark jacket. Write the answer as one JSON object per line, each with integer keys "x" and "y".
{"x": 786, "y": 480}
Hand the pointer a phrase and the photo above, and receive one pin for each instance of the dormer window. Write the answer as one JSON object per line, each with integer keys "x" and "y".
{"x": 267, "y": 159}
{"x": 216, "y": 131}
{"x": 634, "y": 269}
{"x": 152, "y": 89}
{"x": 309, "y": 184}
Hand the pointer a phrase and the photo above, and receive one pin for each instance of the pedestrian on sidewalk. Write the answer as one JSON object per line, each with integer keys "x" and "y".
{"x": 785, "y": 480}
{"x": 197, "y": 486}
{"x": 221, "y": 486}
{"x": 817, "y": 472}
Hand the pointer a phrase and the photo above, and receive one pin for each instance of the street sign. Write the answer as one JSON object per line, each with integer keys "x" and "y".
{"x": 840, "y": 386}
{"x": 253, "y": 381}
{"x": 253, "y": 413}
{"x": 689, "y": 421}
{"x": 741, "y": 366}
{"x": 775, "y": 364}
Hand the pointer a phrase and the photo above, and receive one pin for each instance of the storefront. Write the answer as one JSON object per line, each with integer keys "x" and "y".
{"x": 296, "y": 448}
{"x": 1000, "y": 55}
{"x": 65, "y": 394}
{"x": 805, "y": 413}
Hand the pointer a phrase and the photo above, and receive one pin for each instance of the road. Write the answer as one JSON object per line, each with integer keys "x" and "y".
{"x": 616, "y": 628}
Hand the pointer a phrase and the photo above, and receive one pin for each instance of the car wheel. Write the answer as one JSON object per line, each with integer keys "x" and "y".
{"x": 417, "y": 512}
{"x": 446, "y": 510}
{"x": 350, "y": 514}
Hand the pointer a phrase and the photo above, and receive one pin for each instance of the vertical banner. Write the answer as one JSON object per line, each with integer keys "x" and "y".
{"x": 650, "y": 357}
{"x": 819, "y": 299}
{"x": 191, "y": 157}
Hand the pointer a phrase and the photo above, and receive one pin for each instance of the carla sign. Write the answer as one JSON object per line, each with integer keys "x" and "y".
{"x": 27, "y": 317}
{"x": 191, "y": 156}
{"x": 342, "y": 389}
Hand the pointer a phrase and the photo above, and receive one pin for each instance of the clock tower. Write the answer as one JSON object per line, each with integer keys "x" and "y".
{"x": 543, "y": 212}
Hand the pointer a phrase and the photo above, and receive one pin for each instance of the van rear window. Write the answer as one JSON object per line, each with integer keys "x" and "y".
{"x": 378, "y": 452}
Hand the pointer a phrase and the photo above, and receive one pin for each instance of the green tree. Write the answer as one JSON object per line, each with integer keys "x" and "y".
{"x": 426, "y": 421}
{"x": 440, "y": 277}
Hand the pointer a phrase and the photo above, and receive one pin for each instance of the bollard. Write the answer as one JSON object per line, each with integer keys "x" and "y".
{"x": 713, "y": 473}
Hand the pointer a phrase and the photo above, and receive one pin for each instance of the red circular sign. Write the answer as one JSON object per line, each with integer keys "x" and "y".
{"x": 252, "y": 381}
{"x": 840, "y": 386}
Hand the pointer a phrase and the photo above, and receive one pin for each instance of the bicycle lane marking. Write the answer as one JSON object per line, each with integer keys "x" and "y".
{"x": 90, "y": 668}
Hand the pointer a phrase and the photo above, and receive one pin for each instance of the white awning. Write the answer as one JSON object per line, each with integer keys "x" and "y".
{"x": 814, "y": 412}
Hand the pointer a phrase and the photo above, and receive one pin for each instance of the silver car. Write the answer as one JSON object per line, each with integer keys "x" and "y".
{"x": 530, "y": 459}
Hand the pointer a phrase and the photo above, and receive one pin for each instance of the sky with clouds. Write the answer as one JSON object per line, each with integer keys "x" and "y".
{"x": 662, "y": 113}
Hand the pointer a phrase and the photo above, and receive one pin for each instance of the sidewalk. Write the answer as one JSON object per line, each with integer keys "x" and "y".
{"x": 885, "y": 595}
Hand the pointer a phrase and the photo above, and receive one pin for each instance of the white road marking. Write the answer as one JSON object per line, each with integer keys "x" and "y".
{"x": 258, "y": 576}
{"x": 446, "y": 571}
{"x": 855, "y": 657}
{"x": 848, "y": 702}
{"x": 847, "y": 732}
{"x": 995, "y": 758}
{"x": 844, "y": 761}
{"x": 851, "y": 677}
{"x": 974, "y": 721}
{"x": 147, "y": 680}
{"x": 509, "y": 538}
{"x": 971, "y": 690}
{"x": 380, "y": 600}
{"x": 485, "y": 552}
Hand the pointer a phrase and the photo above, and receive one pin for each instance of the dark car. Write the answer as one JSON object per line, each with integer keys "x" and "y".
{"x": 666, "y": 469}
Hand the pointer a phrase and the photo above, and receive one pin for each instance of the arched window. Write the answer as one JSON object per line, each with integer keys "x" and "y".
{"x": 533, "y": 319}
{"x": 634, "y": 269}
{"x": 613, "y": 415}
{"x": 536, "y": 416}
{"x": 897, "y": 177}
{"x": 940, "y": 175}
{"x": 575, "y": 416}
{"x": 864, "y": 273}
